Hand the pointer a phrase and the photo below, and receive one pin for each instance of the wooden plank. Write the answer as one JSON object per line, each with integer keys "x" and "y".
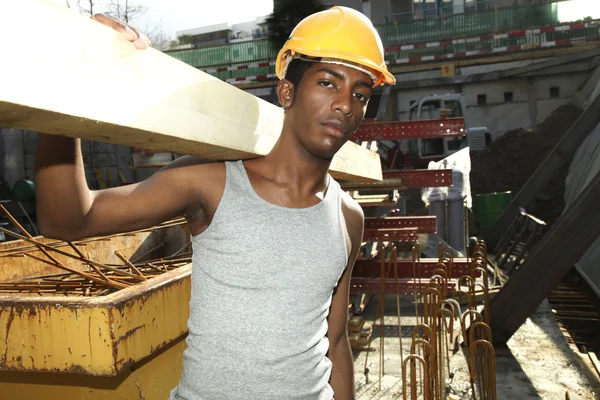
{"x": 560, "y": 248}
{"x": 87, "y": 81}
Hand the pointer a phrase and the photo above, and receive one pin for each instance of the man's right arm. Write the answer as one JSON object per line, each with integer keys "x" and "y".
{"x": 67, "y": 209}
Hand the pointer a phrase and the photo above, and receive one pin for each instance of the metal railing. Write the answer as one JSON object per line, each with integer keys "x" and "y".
{"x": 442, "y": 26}
{"x": 432, "y": 11}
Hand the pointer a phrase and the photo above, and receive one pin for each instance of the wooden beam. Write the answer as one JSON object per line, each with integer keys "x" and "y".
{"x": 71, "y": 76}
{"x": 560, "y": 248}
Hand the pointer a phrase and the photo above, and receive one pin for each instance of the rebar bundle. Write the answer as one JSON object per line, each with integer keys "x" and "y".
{"x": 92, "y": 278}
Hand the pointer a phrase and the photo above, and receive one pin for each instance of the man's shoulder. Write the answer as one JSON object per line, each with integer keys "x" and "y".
{"x": 195, "y": 174}
{"x": 353, "y": 212}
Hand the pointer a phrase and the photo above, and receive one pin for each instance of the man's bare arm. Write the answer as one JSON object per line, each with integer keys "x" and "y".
{"x": 67, "y": 209}
{"x": 340, "y": 353}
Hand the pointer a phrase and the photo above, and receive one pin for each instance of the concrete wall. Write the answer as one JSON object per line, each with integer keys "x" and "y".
{"x": 531, "y": 101}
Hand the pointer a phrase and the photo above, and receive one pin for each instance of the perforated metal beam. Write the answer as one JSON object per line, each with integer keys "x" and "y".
{"x": 425, "y": 224}
{"x": 392, "y": 235}
{"x": 399, "y": 130}
{"x": 372, "y": 268}
{"x": 420, "y": 178}
{"x": 373, "y": 286}
{"x": 404, "y": 179}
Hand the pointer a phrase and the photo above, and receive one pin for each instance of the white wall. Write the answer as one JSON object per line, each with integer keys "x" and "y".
{"x": 531, "y": 100}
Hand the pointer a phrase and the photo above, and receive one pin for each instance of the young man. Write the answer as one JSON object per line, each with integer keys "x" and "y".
{"x": 274, "y": 238}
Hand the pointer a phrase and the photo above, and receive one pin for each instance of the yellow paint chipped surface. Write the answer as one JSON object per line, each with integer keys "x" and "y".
{"x": 96, "y": 336}
{"x": 151, "y": 379}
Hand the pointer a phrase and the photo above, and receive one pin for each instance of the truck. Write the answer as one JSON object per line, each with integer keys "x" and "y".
{"x": 417, "y": 153}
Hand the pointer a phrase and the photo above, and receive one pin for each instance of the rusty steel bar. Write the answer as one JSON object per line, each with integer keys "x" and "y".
{"x": 54, "y": 262}
{"x": 128, "y": 263}
{"x": 90, "y": 264}
{"x": 43, "y": 248}
{"x": 413, "y": 377}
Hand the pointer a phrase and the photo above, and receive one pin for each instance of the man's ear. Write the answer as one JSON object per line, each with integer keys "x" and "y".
{"x": 285, "y": 93}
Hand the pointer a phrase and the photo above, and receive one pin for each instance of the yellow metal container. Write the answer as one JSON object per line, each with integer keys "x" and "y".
{"x": 125, "y": 345}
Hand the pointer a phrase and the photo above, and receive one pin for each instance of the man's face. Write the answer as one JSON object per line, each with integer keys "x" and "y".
{"x": 327, "y": 106}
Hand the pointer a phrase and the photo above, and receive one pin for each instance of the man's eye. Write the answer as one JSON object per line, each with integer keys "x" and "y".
{"x": 361, "y": 97}
{"x": 326, "y": 84}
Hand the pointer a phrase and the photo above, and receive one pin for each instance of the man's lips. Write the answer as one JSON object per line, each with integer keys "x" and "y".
{"x": 335, "y": 128}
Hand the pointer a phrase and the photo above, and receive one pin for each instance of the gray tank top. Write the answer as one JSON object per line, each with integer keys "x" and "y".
{"x": 262, "y": 283}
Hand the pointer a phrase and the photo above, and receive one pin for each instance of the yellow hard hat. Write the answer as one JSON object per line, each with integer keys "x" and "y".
{"x": 339, "y": 33}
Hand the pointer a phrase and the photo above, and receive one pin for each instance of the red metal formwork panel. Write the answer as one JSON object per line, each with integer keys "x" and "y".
{"x": 371, "y": 268}
{"x": 421, "y": 129}
{"x": 405, "y": 235}
{"x": 425, "y": 224}
{"x": 421, "y": 178}
{"x": 373, "y": 286}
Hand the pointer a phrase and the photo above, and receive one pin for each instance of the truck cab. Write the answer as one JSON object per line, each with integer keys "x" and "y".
{"x": 436, "y": 106}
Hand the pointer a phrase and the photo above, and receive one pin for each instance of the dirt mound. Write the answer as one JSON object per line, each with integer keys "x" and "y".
{"x": 513, "y": 158}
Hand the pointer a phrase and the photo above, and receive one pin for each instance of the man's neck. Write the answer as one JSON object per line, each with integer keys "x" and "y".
{"x": 302, "y": 171}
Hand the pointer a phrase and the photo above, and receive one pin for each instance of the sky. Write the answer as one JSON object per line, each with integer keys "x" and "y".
{"x": 177, "y": 15}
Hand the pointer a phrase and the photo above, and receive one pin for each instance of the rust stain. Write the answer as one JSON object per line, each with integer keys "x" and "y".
{"x": 11, "y": 317}
{"x": 138, "y": 387}
{"x": 90, "y": 338}
{"x": 74, "y": 369}
{"x": 128, "y": 333}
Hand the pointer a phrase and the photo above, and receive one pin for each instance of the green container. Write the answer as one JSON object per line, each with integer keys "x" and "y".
{"x": 24, "y": 190}
{"x": 489, "y": 208}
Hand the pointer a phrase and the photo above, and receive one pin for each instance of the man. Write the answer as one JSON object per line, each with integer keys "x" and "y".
{"x": 274, "y": 238}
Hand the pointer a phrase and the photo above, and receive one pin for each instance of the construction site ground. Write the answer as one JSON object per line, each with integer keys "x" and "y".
{"x": 539, "y": 361}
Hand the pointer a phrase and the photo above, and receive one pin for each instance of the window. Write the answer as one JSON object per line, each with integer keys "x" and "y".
{"x": 508, "y": 97}
{"x": 455, "y": 108}
{"x": 235, "y": 53}
{"x": 431, "y": 109}
{"x": 481, "y": 99}
{"x": 554, "y": 91}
